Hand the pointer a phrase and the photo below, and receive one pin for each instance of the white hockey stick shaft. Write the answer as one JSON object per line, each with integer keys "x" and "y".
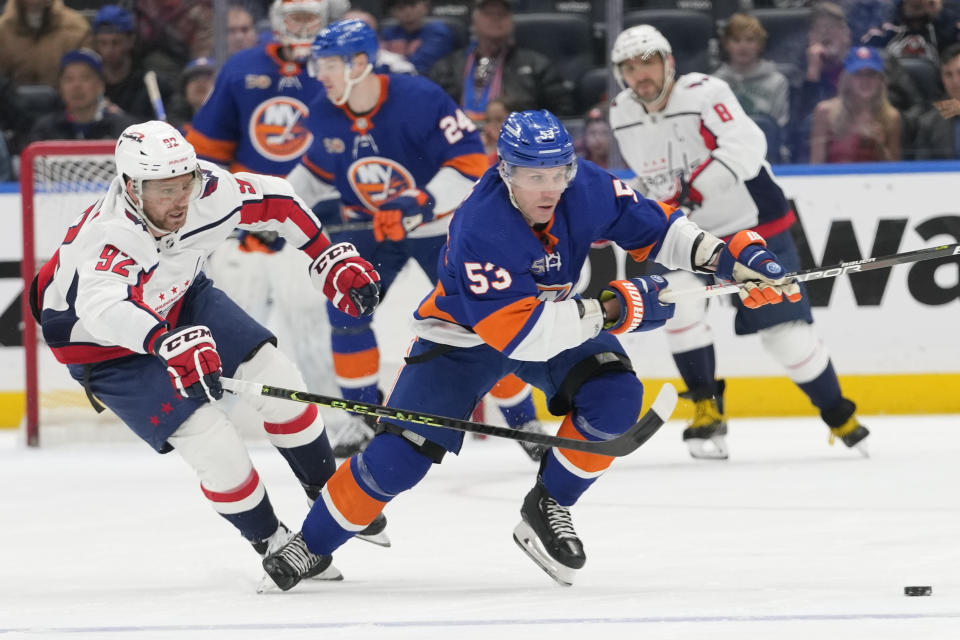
{"x": 153, "y": 91}
{"x": 819, "y": 273}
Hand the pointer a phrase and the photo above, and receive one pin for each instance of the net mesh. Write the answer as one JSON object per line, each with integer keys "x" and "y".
{"x": 63, "y": 185}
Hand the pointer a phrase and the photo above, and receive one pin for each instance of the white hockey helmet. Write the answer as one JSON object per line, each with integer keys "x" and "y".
{"x": 298, "y": 36}
{"x": 154, "y": 150}
{"x": 643, "y": 41}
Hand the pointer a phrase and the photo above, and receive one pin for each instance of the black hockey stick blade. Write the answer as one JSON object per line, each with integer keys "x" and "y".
{"x": 645, "y": 427}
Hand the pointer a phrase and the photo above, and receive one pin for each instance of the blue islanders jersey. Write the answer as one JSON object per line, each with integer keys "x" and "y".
{"x": 508, "y": 285}
{"x": 255, "y": 119}
{"x": 414, "y": 137}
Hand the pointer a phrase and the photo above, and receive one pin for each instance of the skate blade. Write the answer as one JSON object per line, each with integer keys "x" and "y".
{"x": 380, "y": 539}
{"x": 527, "y": 540}
{"x": 714, "y": 448}
{"x": 862, "y": 448}
{"x": 330, "y": 574}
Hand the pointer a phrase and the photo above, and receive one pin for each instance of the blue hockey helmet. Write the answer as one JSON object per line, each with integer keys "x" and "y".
{"x": 346, "y": 39}
{"x": 535, "y": 139}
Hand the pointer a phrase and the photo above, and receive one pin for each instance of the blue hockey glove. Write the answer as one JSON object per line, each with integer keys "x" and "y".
{"x": 745, "y": 259}
{"x": 640, "y": 306}
{"x": 401, "y": 214}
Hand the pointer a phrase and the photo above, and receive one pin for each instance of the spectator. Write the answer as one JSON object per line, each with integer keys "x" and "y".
{"x": 196, "y": 82}
{"x": 34, "y": 34}
{"x": 829, "y": 41}
{"x": 859, "y": 124}
{"x": 920, "y": 29}
{"x": 114, "y": 40}
{"x": 173, "y": 32}
{"x": 938, "y": 131}
{"x": 241, "y": 28}
{"x": 594, "y": 143}
{"x": 387, "y": 61}
{"x": 496, "y": 114}
{"x": 491, "y": 65}
{"x": 6, "y": 168}
{"x": 86, "y": 114}
{"x": 421, "y": 42}
{"x": 15, "y": 119}
{"x": 760, "y": 88}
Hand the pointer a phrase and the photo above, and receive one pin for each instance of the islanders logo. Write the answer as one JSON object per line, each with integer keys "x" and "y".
{"x": 278, "y": 129}
{"x": 375, "y": 179}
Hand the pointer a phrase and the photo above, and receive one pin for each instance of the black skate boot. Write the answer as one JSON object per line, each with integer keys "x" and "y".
{"x": 293, "y": 562}
{"x": 546, "y": 534}
{"x": 705, "y": 437}
{"x": 843, "y": 424}
{"x": 375, "y": 531}
{"x": 279, "y": 538}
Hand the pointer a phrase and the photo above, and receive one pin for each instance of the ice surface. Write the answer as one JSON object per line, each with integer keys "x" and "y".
{"x": 789, "y": 539}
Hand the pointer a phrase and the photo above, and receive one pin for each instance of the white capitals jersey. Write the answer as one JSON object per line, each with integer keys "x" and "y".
{"x": 111, "y": 285}
{"x": 703, "y": 136}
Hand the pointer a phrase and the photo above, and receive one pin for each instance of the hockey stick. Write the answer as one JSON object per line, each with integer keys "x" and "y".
{"x": 348, "y": 226}
{"x": 818, "y": 273}
{"x": 645, "y": 427}
{"x": 153, "y": 91}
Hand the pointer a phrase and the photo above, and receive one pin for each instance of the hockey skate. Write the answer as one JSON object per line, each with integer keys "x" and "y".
{"x": 352, "y": 436}
{"x": 843, "y": 424}
{"x": 705, "y": 436}
{"x": 535, "y": 451}
{"x": 294, "y": 562}
{"x": 546, "y": 534}
{"x": 279, "y": 538}
{"x": 375, "y": 531}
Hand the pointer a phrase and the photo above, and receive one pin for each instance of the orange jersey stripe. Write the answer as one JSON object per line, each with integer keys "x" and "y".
{"x": 471, "y": 165}
{"x": 429, "y": 308}
{"x": 353, "y": 503}
{"x": 357, "y": 365}
{"x": 320, "y": 173}
{"x": 500, "y": 327}
{"x": 588, "y": 462}
{"x": 218, "y": 150}
{"x": 508, "y": 387}
{"x": 641, "y": 254}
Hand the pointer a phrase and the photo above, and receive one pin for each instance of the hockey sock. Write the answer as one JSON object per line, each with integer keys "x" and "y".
{"x": 360, "y": 488}
{"x": 698, "y": 368}
{"x": 356, "y": 362}
{"x": 512, "y": 396}
{"x": 305, "y": 447}
{"x": 824, "y": 390}
{"x": 247, "y": 507}
{"x": 606, "y": 406}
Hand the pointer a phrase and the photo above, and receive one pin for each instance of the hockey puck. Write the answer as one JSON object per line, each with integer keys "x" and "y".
{"x": 918, "y": 591}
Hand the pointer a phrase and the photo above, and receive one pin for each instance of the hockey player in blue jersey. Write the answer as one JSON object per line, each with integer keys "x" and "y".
{"x": 394, "y": 154}
{"x": 503, "y": 304}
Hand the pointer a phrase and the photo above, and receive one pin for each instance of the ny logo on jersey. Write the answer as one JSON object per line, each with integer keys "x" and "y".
{"x": 544, "y": 264}
{"x": 375, "y": 179}
{"x": 278, "y": 129}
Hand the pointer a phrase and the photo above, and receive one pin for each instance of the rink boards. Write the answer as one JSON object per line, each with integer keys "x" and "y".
{"x": 893, "y": 335}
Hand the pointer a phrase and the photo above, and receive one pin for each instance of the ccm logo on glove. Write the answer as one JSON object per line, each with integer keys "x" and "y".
{"x": 349, "y": 282}
{"x": 192, "y": 361}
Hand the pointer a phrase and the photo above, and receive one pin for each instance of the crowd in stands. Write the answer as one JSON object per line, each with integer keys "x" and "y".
{"x": 843, "y": 81}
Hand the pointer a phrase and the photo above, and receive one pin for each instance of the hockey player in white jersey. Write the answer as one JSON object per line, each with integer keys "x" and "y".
{"x": 125, "y": 305}
{"x": 690, "y": 144}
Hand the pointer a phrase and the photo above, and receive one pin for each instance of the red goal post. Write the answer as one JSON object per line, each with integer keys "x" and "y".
{"x": 58, "y": 180}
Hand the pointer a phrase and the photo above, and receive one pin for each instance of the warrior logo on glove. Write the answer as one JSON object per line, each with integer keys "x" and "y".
{"x": 349, "y": 282}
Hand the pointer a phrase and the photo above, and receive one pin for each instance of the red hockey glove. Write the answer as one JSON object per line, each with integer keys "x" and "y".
{"x": 401, "y": 214}
{"x": 193, "y": 363}
{"x": 349, "y": 281}
{"x": 745, "y": 259}
{"x": 685, "y": 196}
{"x": 640, "y": 306}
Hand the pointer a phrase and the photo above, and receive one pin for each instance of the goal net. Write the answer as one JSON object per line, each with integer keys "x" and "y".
{"x": 58, "y": 180}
